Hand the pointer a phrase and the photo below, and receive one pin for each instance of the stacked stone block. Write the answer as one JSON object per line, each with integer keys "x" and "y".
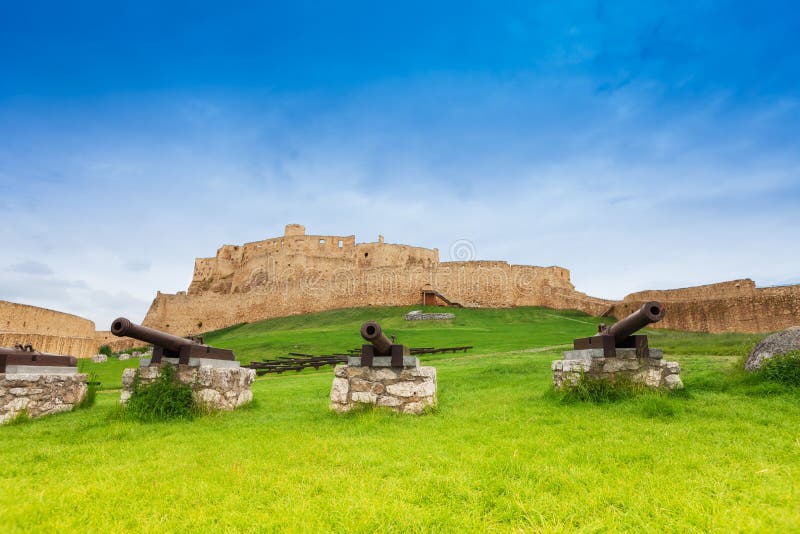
{"x": 405, "y": 390}
{"x": 651, "y": 371}
{"x": 215, "y": 388}
{"x": 39, "y": 394}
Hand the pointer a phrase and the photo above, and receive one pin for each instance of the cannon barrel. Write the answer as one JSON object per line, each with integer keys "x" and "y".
{"x": 650, "y": 312}
{"x": 44, "y": 356}
{"x": 123, "y": 327}
{"x": 371, "y": 331}
{"x": 27, "y": 356}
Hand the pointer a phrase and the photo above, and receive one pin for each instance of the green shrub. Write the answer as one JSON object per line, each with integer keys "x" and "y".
{"x": 105, "y": 349}
{"x": 164, "y": 399}
{"x": 783, "y": 368}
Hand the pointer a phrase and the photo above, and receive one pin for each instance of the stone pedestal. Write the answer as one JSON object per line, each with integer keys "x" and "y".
{"x": 216, "y": 388}
{"x": 39, "y": 394}
{"x": 405, "y": 390}
{"x": 653, "y": 371}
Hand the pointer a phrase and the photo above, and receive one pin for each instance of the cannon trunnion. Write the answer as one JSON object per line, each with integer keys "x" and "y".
{"x": 186, "y": 351}
{"x": 621, "y": 334}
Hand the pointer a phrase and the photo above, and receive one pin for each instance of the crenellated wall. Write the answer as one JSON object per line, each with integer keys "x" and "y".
{"x": 300, "y": 273}
{"x": 46, "y": 330}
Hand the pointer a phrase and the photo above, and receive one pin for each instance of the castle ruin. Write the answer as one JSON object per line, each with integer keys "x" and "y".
{"x": 299, "y": 273}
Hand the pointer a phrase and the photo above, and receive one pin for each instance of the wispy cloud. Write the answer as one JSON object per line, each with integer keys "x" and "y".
{"x": 31, "y": 267}
{"x": 613, "y": 139}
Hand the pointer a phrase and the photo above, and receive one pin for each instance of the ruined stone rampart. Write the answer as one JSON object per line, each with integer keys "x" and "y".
{"x": 300, "y": 273}
{"x": 117, "y": 344}
{"x": 735, "y": 306}
{"x": 46, "y": 330}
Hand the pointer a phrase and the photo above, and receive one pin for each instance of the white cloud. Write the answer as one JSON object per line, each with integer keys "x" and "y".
{"x": 626, "y": 196}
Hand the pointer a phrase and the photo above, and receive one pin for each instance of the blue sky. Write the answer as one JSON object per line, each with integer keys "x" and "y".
{"x": 639, "y": 144}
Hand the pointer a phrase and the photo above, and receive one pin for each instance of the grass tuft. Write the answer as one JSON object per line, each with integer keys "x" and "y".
{"x": 162, "y": 400}
{"x": 600, "y": 391}
{"x": 783, "y": 368}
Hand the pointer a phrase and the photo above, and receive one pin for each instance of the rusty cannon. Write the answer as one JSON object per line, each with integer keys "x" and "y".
{"x": 621, "y": 334}
{"x": 174, "y": 349}
{"x": 381, "y": 351}
{"x": 24, "y": 359}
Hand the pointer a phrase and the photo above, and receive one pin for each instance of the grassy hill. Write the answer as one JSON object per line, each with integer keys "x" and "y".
{"x": 501, "y": 453}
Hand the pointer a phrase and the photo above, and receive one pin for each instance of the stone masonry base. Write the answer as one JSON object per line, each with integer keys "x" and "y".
{"x": 215, "y": 388}
{"x": 39, "y": 394}
{"x": 653, "y": 372}
{"x": 405, "y": 390}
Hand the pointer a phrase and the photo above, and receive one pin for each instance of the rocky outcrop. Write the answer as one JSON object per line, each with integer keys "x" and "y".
{"x": 774, "y": 345}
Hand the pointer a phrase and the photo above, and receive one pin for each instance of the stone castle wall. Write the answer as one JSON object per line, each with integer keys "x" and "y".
{"x": 299, "y": 273}
{"x": 46, "y": 330}
{"x": 117, "y": 344}
{"x": 735, "y": 306}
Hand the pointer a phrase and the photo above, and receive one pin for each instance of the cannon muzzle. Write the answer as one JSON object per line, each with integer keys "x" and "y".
{"x": 187, "y": 352}
{"x": 650, "y": 312}
{"x": 124, "y": 327}
{"x": 621, "y": 334}
{"x": 371, "y": 331}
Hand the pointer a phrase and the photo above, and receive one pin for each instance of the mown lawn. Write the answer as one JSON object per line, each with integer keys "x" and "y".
{"x": 501, "y": 453}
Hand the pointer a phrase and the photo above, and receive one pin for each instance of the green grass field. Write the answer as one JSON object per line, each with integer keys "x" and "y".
{"x": 501, "y": 452}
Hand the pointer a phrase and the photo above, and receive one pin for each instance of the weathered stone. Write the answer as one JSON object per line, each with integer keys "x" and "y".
{"x": 652, "y": 372}
{"x": 673, "y": 382}
{"x": 359, "y": 384}
{"x": 99, "y": 358}
{"x": 124, "y": 356}
{"x": 612, "y": 365}
{"x": 339, "y": 390}
{"x": 388, "y": 401}
{"x": 209, "y": 398}
{"x": 626, "y": 354}
{"x": 363, "y": 396}
{"x": 39, "y": 395}
{"x": 652, "y": 377}
{"x": 780, "y": 343}
{"x": 402, "y": 389}
{"x": 386, "y": 387}
{"x": 216, "y": 388}
{"x": 417, "y": 315}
